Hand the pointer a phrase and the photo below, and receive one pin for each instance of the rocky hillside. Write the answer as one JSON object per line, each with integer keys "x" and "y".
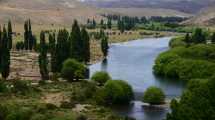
{"x": 205, "y": 17}
{"x": 187, "y": 6}
{"x": 46, "y": 11}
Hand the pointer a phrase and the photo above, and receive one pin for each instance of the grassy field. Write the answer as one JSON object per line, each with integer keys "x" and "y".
{"x": 53, "y": 101}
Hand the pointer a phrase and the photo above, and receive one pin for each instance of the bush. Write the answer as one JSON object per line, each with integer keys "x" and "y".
{"x": 154, "y": 96}
{"x": 72, "y": 69}
{"x": 177, "y": 42}
{"x": 21, "y": 87}
{"x": 3, "y": 86}
{"x": 20, "y": 45}
{"x": 197, "y": 102}
{"x": 187, "y": 63}
{"x": 115, "y": 92}
{"x": 84, "y": 92}
{"x": 81, "y": 117}
{"x": 101, "y": 77}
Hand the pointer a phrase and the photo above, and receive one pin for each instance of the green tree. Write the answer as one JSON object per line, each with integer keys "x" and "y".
{"x": 52, "y": 50}
{"x": 109, "y": 23}
{"x": 10, "y": 32}
{"x": 43, "y": 60}
{"x": 213, "y": 38}
{"x": 77, "y": 43}
{"x": 121, "y": 26}
{"x": 62, "y": 48}
{"x": 73, "y": 70}
{"x": 154, "y": 96}
{"x": 26, "y": 35}
{"x": 94, "y": 23}
{"x": 5, "y": 55}
{"x": 198, "y": 36}
{"x": 104, "y": 46}
{"x": 101, "y": 77}
{"x": 86, "y": 48}
{"x": 114, "y": 92}
{"x": 197, "y": 102}
{"x": 187, "y": 39}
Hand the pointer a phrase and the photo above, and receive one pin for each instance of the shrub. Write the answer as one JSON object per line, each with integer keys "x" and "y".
{"x": 3, "y": 86}
{"x": 197, "y": 102}
{"x": 177, "y": 42}
{"x": 85, "y": 91}
{"x": 101, "y": 77}
{"x": 72, "y": 69}
{"x": 21, "y": 87}
{"x": 81, "y": 117}
{"x": 20, "y": 45}
{"x": 154, "y": 96}
{"x": 187, "y": 63}
{"x": 115, "y": 92}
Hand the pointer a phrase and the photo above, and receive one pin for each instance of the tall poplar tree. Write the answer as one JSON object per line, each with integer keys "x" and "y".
{"x": 10, "y": 33}
{"x": 52, "y": 49}
{"x": 62, "y": 48}
{"x": 77, "y": 43}
{"x": 109, "y": 23}
{"x": 213, "y": 38}
{"x": 86, "y": 48}
{"x": 104, "y": 45}
{"x": 26, "y": 36}
{"x": 43, "y": 59}
{"x": 5, "y": 55}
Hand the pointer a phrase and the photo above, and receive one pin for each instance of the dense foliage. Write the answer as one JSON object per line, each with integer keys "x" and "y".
{"x": 187, "y": 63}
{"x": 197, "y": 102}
{"x": 73, "y": 70}
{"x": 114, "y": 92}
{"x": 189, "y": 57}
{"x": 101, "y": 77}
{"x": 5, "y": 53}
{"x": 154, "y": 96}
{"x": 43, "y": 59}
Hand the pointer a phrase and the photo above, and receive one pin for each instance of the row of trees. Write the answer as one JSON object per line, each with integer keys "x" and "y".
{"x": 199, "y": 36}
{"x": 5, "y": 46}
{"x": 29, "y": 39}
{"x": 74, "y": 45}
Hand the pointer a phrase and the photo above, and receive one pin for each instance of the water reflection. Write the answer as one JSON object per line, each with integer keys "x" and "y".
{"x": 133, "y": 61}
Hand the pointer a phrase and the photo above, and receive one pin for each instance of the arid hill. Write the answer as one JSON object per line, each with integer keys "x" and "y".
{"x": 46, "y": 11}
{"x": 206, "y": 17}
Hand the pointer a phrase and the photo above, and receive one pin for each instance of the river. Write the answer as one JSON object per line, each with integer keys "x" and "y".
{"x": 133, "y": 62}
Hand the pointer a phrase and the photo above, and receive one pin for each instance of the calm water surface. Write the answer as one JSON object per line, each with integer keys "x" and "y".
{"x": 133, "y": 62}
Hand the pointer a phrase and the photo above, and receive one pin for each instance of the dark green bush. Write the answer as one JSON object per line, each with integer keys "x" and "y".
{"x": 20, "y": 45}
{"x": 197, "y": 102}
{"x": 81, "y": 117}
{"x": 114, "y": 92}
{"x": 3, "y": 86}
{"x": 73, "y": 70}
{"x": 101, "y": 77}
{"x": 21, "y": 87}
{"x": 154, "y": 96}
{"x": 184, "y": 63}
{"x": 177, "y": 42}
{"x": 85, "y": 91}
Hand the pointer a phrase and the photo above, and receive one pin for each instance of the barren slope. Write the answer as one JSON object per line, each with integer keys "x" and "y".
{"x": 147, "y": 12}
{"x": 205, "y": 17}
{"x": 46, "y": 11}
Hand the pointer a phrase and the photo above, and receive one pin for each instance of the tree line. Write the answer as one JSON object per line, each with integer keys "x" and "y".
{"x": 63, "y": 45}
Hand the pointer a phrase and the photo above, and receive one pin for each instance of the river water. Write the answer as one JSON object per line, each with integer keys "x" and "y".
{"x": 133, "y": 62}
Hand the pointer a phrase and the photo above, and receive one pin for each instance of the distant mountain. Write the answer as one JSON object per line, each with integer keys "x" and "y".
{"x": 204, "y": 17}
{"x": 188, "y": 6}
{"x": 46, "y": 11}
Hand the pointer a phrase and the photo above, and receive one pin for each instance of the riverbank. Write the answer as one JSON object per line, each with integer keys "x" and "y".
{"x": 96, "y": 54}
{"x": 133, "y": 62}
